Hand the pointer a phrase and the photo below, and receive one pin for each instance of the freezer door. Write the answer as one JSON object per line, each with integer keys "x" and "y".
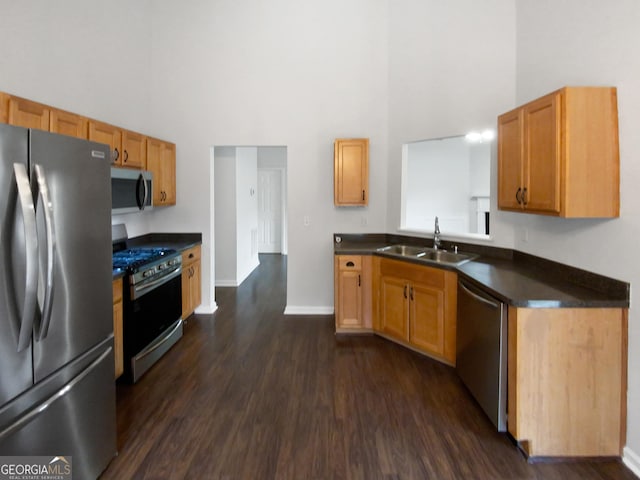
{"x": 71, "y": 413}
{"x": 16, "y": 369}
{"x": 72, "y": 186}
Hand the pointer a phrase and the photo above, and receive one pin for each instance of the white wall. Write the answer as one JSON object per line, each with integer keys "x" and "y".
{"x": 451, "y": 70}
{"x": 578, "y": 42}
{"x": 246, "y": 212}
{"x": 225, "y": 216}
{"x": 297, "y": 74}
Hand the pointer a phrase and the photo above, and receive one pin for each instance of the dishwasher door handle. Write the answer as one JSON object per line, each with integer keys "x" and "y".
{"x": 478, "y": 297}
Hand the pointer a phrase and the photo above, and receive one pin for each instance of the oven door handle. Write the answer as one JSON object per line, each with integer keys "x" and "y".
{"x": 138, "y": 291}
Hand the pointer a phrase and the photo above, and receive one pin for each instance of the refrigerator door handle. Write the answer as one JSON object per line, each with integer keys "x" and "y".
{"x": 31, "y": 255}
{"x": 47, "y": 206}
{"x": 34, "y": 412}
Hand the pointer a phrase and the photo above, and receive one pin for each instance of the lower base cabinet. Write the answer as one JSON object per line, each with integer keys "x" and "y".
{"x": 416, "y": 305}
{"x": 352, "y": 283}
{"x": 117, "y": 327}
{"x": 191, "y": 285}
{"x": 567, "y": 381}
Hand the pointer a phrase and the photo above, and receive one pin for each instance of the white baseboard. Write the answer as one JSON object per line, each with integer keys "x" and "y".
{"x": 207, "y": 309}
{"x": 632, "y": 460}
{"x": 226, "y": 283}
{"x": 302, "y": 310}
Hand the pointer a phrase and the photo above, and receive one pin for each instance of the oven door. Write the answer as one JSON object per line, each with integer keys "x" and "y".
{"x": 149, "y": 315}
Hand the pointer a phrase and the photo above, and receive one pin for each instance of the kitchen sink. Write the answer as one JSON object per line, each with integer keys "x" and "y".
{"x": 427, "y": 255}
{"x": 404, "y": 250}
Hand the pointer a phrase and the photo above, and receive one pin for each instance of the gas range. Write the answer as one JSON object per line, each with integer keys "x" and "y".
{"x": 142, "y": 263}
{"x": 152, "y": 305}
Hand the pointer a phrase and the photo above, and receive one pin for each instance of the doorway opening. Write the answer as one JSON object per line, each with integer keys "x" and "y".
{"x": 250, "y": 209}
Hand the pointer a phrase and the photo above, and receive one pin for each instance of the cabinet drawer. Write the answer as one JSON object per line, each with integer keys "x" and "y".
{"x": 117, "y": 290}
{"x": 349, "y": 262}
{"x": 191, "y": 255}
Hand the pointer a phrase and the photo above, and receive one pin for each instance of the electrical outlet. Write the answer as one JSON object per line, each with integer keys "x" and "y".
{"x": 525, "y": 235}
{"x": 363, "y": 221}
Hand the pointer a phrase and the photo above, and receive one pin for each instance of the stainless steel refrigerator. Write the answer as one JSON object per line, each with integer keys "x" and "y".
{"x": 57, "y": 390}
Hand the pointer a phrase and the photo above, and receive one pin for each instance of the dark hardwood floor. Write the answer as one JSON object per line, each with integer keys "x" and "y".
{"x": 249, "y": 393}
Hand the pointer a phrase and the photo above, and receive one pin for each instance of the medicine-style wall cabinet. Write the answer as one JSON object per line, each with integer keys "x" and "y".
{"x": 351, "y": 172}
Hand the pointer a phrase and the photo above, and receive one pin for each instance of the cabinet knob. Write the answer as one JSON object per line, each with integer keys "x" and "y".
{"x": 524, "y": 196}
{"x": 405, "y": 291}
{"x": 518, "y": 196}
{"x": 191, "y": 255}
{"x": 116, "y": 155}
{"x": 350, "y": 264}
{"x": 126, "y": 156}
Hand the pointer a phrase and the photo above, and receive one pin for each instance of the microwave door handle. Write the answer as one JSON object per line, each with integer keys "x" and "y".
{"x": 140, "y": 181}
{"x": 47, "y": 206}
{"x": 146, "y": 191}
{"x": 31, "y": 254}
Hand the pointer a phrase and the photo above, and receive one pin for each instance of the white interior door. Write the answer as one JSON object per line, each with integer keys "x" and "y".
{"x": 269, "y": 211}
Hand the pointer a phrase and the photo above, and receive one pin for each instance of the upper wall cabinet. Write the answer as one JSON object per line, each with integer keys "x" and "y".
{"x": 134, "y": 150}
{"x": 161, "y": 161}
{"x": 28, "y": 114}
{"x": 351, "y": 172}
{"x": 558, "y": 155}
{"x": 67, "y": 123}
{"x": 109, "y": 134}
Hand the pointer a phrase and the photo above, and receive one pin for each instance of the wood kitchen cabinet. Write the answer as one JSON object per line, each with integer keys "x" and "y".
{"x": 191, "y": 288}
{"x": 117, "y": 327}
{"x": 161, "y": 161}
{"x": 109, "y": 134}
{"x": 67, "y": 123}
{"x": 567, "y": 381}
{"x": 4, "y": 107}
{"x": 28, "y": 114}
{"x": 558, "y": 155}
{"x": 352, "y": 285}
{"x": 134, "y": 150}
{"x": 351, "y": 172}
{"x": 416, "y": 305}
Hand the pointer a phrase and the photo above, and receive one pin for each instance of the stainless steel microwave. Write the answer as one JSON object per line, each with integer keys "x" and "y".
{"x": 131, "y": 190}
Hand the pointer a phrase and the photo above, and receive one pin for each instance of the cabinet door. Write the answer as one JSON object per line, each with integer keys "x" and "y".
{"x": 349, "y": 299}
{"x": 4, "y": 107}
{"x": 168, "y": 173}
{"x": 394, "y": 303}
{"x": 109, "y": 134}
{"x": 426, "y": 329}
{"x": 117, "y": 327}
{"x": 510, "y": 181}
{"x": 70, "y": 124}
{"x": 195, "y": 290}
{"x": 154, "y": 165}
{"x": 351, "y": 171}
{"x": 28, "y": 114}
{"x": 134, "y": 150}
{"x": 542, "y": 155}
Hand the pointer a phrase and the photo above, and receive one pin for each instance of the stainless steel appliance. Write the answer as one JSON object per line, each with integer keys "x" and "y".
{"x": 481, "y": 351}
{"x": 152, "y": 321}
{"x": 57, "y": 392}
{"x": 132, "y": 190}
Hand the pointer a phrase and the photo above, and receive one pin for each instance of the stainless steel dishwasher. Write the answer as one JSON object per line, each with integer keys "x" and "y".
{"x": 481, "y": 350}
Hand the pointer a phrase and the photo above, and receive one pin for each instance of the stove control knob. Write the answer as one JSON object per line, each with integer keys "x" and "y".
{"x": 147, "y": 273}
{"x": 162, "y": 266}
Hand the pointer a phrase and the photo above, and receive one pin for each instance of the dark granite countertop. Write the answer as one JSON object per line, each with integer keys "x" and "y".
{"x": 178, "y": 241}
{"x": 514, "y": 277}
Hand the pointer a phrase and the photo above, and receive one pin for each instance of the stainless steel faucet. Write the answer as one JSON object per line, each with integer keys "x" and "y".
{"x": 437, "y": 245}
